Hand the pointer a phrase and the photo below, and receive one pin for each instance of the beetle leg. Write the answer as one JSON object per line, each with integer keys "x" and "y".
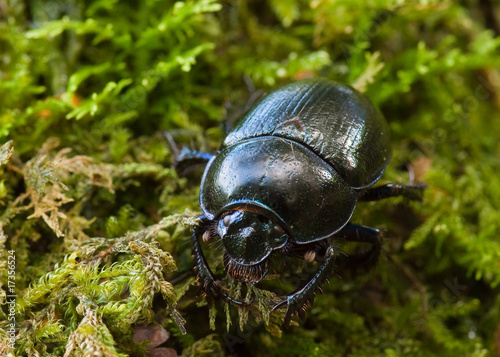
{"x": 361, "y": 234}
{"x": 188, "y": 160}
{"x": 413, "y": 192}
{"x": 210, "y": 285}
{"x": 297, "y": 301}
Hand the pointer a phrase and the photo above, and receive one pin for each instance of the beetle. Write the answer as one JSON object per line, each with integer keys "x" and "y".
{"x": 287, "y": 179}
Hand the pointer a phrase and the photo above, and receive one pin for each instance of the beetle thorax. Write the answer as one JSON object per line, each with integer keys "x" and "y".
{"x": 248, "y": 238}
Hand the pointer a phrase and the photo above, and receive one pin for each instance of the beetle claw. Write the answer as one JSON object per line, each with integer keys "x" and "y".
{"x": 279, "y": 306}
{"x": 217, "y": 288}
{"x": 237, "y": 302}
{"x": 296, "y": 305}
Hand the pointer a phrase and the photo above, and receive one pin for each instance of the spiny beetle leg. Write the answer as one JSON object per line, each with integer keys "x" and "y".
{"x": 210, "y": 285}
{"x": 297, "y": 301}
{"x": 412, "y": 192}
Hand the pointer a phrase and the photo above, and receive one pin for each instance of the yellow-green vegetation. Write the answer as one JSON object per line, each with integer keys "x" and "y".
{"x": 95, "y": 222}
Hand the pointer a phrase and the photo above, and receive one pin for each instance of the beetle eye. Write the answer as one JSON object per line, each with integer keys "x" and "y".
{"x": 226, "y": 220}
{"x": 280, "y": 237}
{"x": 278, "y": 231}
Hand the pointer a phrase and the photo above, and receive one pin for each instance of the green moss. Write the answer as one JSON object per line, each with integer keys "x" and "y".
{"x": 99, "y": 222}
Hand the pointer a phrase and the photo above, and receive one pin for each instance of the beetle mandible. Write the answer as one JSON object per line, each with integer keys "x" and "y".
{"x": 287, "y": 179}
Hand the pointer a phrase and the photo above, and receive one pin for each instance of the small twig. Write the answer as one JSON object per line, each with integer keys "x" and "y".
{"x": 414, "y": 280}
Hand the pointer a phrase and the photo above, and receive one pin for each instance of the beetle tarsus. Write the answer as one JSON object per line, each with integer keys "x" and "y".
{"x": 412, "y": 192}
{"x": 237, "y": 302}
{"x": 216, "y": 288}
{"x": 279, "y": 305}
{"x": 298, "y": 301}
{"x": 188, "y": 160}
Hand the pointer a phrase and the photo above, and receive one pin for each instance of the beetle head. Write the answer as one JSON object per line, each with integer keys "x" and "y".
{"x": 249, "y": 238}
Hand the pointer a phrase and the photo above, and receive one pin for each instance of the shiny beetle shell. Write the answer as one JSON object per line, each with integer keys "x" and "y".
{"x": 297, "y": 158}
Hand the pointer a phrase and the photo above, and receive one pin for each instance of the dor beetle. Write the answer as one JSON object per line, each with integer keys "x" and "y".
{"x": 286, "y": 181}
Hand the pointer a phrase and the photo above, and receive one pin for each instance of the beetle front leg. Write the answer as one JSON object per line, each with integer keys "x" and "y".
{"x": 297, "y": 301}
{"x": 210, "y": 285}
{"x": 413, "y": 192}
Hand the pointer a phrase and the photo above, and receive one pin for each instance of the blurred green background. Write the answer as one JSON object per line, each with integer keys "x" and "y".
{"x": 90, "y": 92}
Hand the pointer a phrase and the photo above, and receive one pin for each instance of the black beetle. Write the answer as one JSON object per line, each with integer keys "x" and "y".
{"x": 287, "y": 179}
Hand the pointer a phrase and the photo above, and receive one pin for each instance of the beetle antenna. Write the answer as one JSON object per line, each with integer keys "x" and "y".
{"x": 217, "y": 244}
{"x": 172, "y": 143}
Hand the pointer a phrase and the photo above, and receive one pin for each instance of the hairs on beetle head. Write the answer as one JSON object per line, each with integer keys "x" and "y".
{"x": 246, "y": 273}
